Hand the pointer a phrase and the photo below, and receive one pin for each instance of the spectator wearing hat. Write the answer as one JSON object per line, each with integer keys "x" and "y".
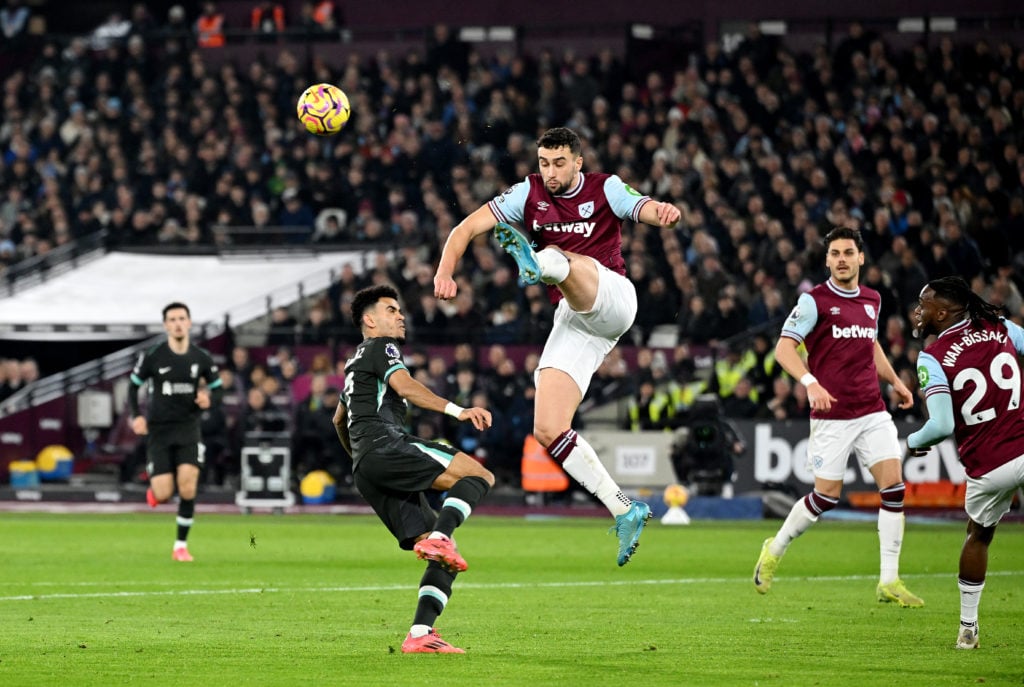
{"x": 295, "y": 213}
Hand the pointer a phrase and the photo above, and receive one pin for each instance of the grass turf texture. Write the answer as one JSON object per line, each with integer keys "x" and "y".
{"x": 327, "y": 600}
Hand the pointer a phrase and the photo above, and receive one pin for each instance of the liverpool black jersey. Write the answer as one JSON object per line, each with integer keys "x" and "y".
{"x": 173, "y": 382}
{"x": 374, "y": 408}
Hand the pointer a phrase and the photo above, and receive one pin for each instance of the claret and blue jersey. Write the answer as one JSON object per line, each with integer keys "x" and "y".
{"x": 839, "y": 328}
{"x": 972, "y": 382}
{"x": 586, "y": 220}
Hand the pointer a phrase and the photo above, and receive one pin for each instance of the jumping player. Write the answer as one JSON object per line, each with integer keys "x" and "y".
{"x": 575, "y": 220}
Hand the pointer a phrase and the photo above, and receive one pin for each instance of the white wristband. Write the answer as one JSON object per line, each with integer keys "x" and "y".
{"x": 453, "y": 410}
{"x": 808, "y": 379}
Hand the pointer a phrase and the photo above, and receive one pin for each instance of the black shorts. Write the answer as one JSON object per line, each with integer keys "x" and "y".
{"x": 169, "y": 446}
{"x": 394, "y": 477}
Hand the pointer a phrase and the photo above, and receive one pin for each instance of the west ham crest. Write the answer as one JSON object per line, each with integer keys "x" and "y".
{"x": 870, "y": 310}
{"x": 586, "y": 209}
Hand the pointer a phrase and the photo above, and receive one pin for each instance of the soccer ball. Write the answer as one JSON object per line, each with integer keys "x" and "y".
{"x": 676, "y": 495}
{"x": 317, "y": 487}
{"x": 323, "y": 109}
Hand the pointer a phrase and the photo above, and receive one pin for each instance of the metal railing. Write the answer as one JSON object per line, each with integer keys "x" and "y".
{"x": 79, "y": 378}
{"x": 36, "y": 270}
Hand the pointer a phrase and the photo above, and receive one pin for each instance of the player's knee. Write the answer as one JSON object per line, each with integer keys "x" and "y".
{"x": 487, "y": 476}
{"x": 546, "y": 431}
{"x": 892, "y": 497}
{"x": 818, "y": 503}
{"x": 980, "y": 533}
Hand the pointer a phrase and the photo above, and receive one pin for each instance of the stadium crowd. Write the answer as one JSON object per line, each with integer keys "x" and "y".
{"x": 762, "y": 148}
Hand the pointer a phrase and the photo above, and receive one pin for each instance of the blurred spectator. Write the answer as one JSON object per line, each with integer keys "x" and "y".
{"x": 210, "y": 27}
{"x": 465, "y": 323}
{"x": 649, "y": 408}
{"x": 12, "y": 380}
{"x": 506, "y": 325}
{"x": 13, "y": 22}
{"x": 742, "y": 404}
{"x": 330, "y": 226}
{"x": 429, "y": 324}
{"x": 315, "y": 444}
{"x": 876, "y": 279}
{"x": 282, "y": 327}
{"x": 781, "y": 404}
{"x": 962, "y": 250}
{"x": 261, "y": 415}
{"x": 317, "y": 330}
{"x": 241, "y": 363}
{"x": 320, "y": 16}
{"x": 219, "y": 461}
{"x": 657, "y": 305}
{"x": 767, "y": 307}
{"x": 28, "y": 370}
{"x": 176, "y": 26}
{"x": 698, "y": 323}
{"x": 112, "y": 32}
{"x": 446, "y": 50}
{"x": 295, "y": 213}
{"x": 267, "y": 20}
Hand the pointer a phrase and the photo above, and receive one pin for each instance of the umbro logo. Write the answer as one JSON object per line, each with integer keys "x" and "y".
{"x": 542, "y": 206}
{"x": 834, "y": 310}
{"x": 163, "y": 370}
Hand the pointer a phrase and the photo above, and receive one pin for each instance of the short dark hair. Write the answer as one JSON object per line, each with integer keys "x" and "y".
{"x": 175, "y": 306}
{"x": 560, "y": 137}
{"x": 368, "y": 297}
{"x": 844, "y": 233}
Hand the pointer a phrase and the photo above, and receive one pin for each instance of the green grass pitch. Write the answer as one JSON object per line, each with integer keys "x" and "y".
{"x": 326, "y": 600}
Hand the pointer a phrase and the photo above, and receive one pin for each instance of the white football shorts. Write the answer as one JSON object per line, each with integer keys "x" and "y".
{"x": 872, "y": 438}
{"x": 579, "y": 341}
{"x": 989, "y": 497}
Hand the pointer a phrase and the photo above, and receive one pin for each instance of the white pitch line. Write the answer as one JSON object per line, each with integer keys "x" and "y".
{"x": 470, "y": 585}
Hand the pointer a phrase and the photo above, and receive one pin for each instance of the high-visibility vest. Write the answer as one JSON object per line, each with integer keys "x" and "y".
{"x": 540, "y": 471}
{"x": 211, "y": 31}
{"x": 660, "y": 411}
{"x": 276, "y": 16}
{"x": 730, "y": 375}
{"x": 323, "y": 12}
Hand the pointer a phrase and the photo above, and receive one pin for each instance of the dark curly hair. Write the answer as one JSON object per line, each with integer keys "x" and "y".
{"x": 367, "y": 298}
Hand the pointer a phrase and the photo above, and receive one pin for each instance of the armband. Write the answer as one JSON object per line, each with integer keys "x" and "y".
{"x": 453, "y": 410}
{"x": 808, "y": 379}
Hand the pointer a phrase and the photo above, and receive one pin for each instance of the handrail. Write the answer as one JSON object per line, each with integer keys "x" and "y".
{"x": 37, "y": 269}
{"x": 76, "y": 379}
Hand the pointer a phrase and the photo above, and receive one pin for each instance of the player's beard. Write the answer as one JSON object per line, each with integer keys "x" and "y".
{"x": 562, "y": 189}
